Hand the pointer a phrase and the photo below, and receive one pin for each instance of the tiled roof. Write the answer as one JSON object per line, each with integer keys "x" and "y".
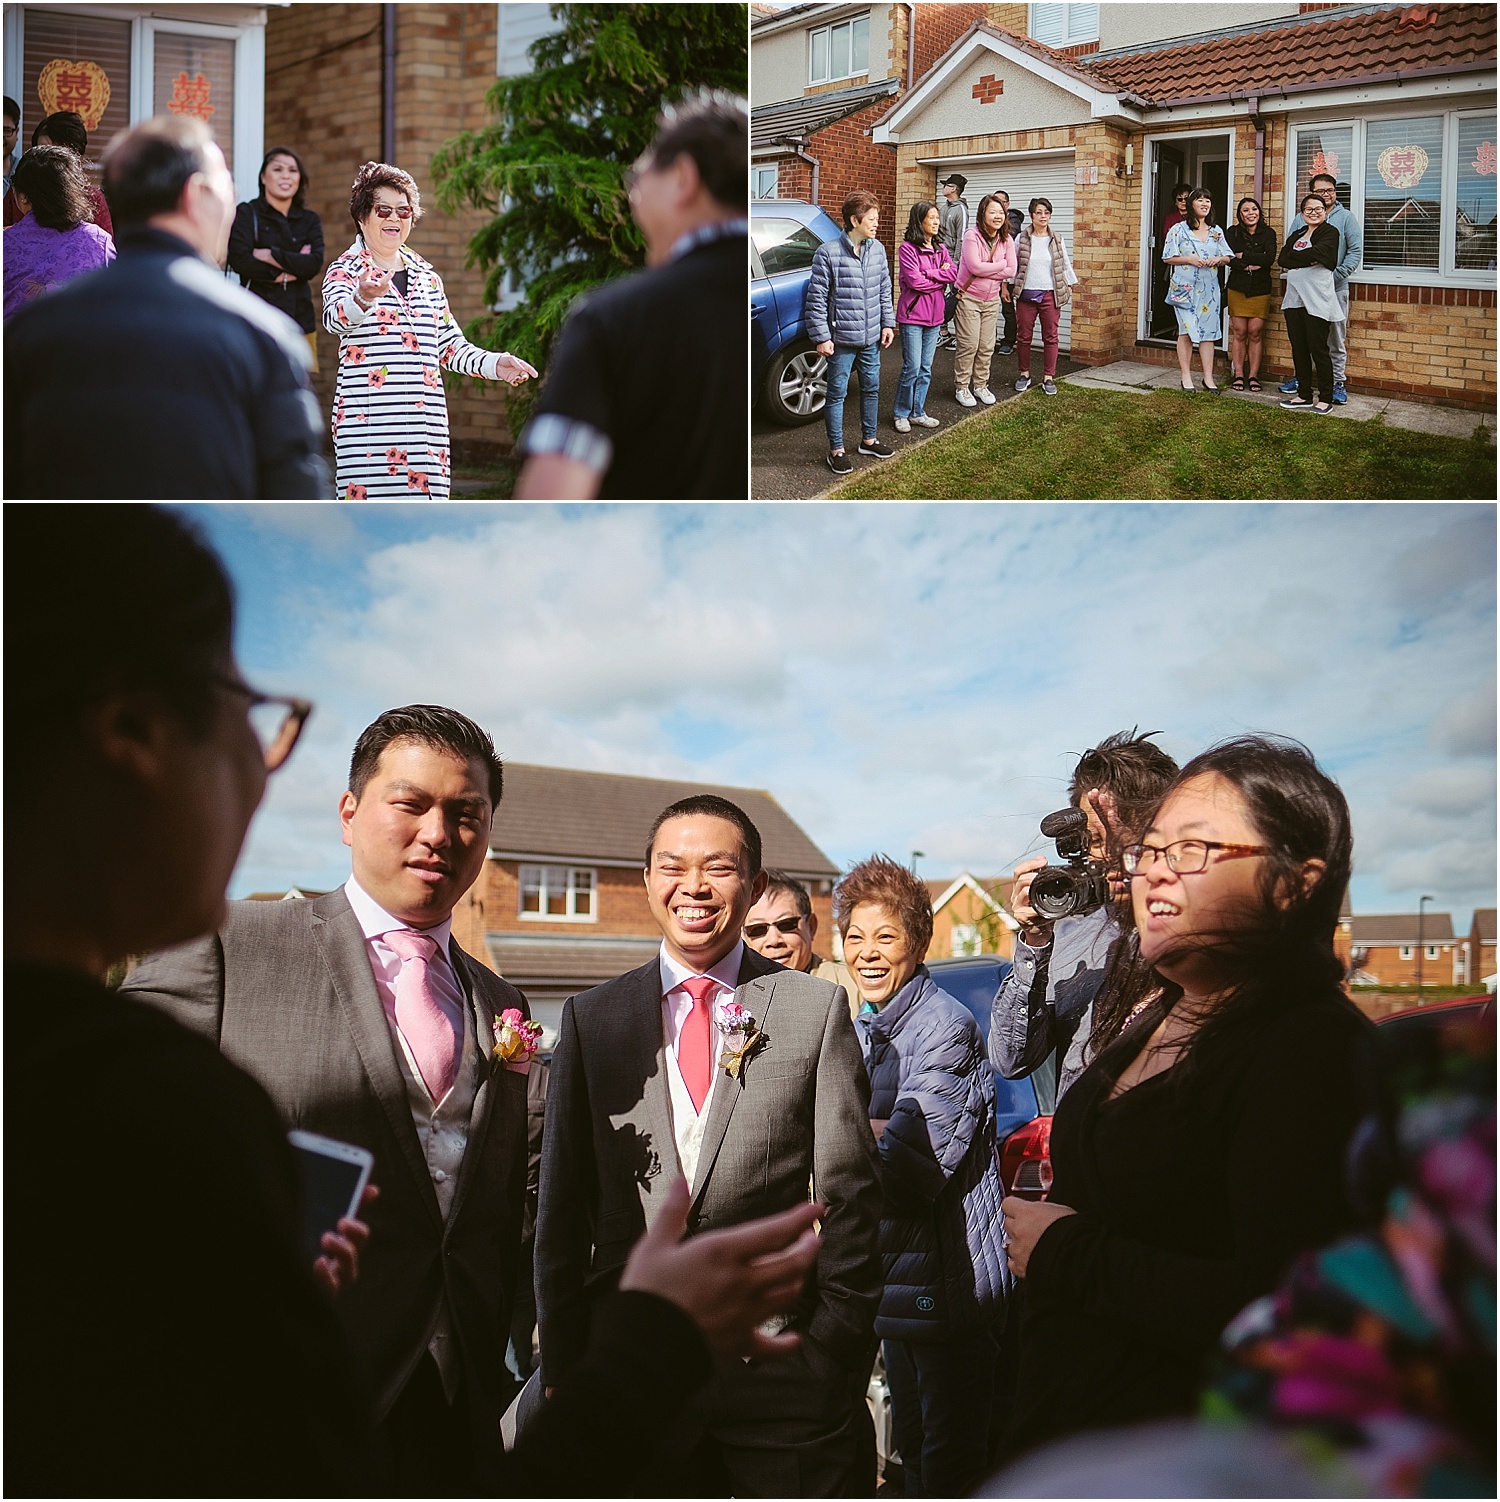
{"x": 799, "y": 118}
{"x": 1401, "y": 928}
{"x": 553, "y": 811}
{"x": 1320, "y": 47}
{"x": 1484, "y": 921}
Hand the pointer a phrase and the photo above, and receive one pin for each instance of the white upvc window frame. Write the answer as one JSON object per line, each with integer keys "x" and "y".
{"x": 758, "y": 170}
{"x": 829, "y": 75}
{"x": 1085, "y": 16}
{"x": 572, "y": 890}
{"x": 249, "y": 72}
{"x": 1406, "y": 951}
{"x": 1446, "y": 273}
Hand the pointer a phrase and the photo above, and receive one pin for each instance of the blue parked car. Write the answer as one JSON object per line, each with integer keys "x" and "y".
{"x": 791, "y": 379}
{"x": 1023, "y": 1108}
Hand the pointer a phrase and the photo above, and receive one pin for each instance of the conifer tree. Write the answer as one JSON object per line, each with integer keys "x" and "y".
{"x": 551, "y": 168}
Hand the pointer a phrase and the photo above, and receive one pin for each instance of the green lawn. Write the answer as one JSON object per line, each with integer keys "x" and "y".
{"x": 494, "y": 481}
{"x": 1170, "y": 446}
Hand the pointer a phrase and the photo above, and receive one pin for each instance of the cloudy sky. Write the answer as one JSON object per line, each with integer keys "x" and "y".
{"x": 900, "y": 677}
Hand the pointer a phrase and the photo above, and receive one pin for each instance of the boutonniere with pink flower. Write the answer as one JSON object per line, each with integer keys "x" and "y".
{"x": 516, "y": 1040}
{"x": 738, "y": 1025}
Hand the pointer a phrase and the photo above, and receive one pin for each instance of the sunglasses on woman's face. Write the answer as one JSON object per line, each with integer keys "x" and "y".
{"x": 385, "y": 210}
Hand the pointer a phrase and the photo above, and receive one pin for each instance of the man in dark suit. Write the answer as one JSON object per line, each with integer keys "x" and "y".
{"x": 365, "y": 1021}
{"x": 744, "y": 1078}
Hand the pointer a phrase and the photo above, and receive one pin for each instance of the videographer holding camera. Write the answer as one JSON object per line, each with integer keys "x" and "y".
{"x": 1068, "y": 913}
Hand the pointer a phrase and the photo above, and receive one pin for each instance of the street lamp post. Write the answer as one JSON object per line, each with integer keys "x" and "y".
{"x": 1421, "y": 933}
{"x": 916, "y": 855}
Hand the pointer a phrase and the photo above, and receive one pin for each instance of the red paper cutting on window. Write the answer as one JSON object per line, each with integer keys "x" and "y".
{"x": 1402, "y": 166}
{"x": 190, "y": 96}
{"x": 1484, "y": 159}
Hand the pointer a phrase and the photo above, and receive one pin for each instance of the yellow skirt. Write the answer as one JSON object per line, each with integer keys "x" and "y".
{"x": 1241, "y": 306}
{"x": 312, "y": 344}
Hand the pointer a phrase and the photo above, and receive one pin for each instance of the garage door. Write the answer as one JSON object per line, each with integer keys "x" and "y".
{"x": 1025, "y": 178}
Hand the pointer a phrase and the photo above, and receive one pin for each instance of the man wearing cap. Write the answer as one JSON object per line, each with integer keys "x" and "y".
{"x": 955, "y": 212}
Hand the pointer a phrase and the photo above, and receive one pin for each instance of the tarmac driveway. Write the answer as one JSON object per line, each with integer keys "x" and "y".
{"x": 788, "y": 463}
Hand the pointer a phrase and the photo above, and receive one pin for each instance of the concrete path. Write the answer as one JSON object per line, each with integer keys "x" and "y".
{"x": 1419, "y": 417}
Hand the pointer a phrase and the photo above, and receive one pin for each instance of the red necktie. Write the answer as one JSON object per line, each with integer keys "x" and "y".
{"x": 695, "y": 1044}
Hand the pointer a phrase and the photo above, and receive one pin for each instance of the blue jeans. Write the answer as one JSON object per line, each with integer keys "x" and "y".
{"x": 845, "y": 358}
{"x": 917, "y": 345}
{"x": 941, "y": 1392}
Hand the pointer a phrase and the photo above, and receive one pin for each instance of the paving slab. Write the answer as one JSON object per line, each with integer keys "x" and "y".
{"x": 1448, "y": 422}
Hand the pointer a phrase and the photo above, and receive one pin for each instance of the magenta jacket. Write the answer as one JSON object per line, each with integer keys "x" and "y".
{"x": 924, "y": 274}
{"x": 981, "y": 273}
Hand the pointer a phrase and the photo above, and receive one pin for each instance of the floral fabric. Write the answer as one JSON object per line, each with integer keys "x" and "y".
{"x": 1199, "y": 320}
{"x": 390, "y": 420}
{"x": 1378, "y": 1353}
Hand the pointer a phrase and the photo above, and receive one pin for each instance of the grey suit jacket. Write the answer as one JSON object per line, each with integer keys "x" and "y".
{"x": 799, "y": 1110}
{"x": 286, "y": 992}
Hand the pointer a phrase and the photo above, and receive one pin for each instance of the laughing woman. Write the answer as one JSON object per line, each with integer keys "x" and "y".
{"x": 396, "y": 337}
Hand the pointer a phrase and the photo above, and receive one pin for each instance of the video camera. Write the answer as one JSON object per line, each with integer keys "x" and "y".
{"x": 1081, "y": 886}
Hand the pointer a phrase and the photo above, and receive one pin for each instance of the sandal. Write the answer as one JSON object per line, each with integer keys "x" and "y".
{"x": 1254, "y": 383}
{"x": 1237, "y": 384}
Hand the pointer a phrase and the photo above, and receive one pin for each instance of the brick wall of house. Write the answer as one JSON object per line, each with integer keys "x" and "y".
{"x": 849, "y": 159}
{"x": 1384, "y": 962}
{"x": 323, "y": 98}
{"x": 492, "y": 905}
{"x": 938, "y": 28}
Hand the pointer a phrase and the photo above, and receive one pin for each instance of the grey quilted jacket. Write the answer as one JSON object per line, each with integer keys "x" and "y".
{"x": 848, "y": 295}
{"x": 945, "y": 1272}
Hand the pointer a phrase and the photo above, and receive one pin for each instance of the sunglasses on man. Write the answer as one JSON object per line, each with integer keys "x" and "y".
{"x": 781, "y": 925}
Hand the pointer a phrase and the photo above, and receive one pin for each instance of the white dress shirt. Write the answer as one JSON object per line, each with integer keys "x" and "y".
{"x": 676, "y": 1006}
{"x": 442, "y": 1126}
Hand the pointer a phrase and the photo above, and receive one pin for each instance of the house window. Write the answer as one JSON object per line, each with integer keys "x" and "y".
{"x": 965, "y": 939}
{"x": 841, "y": 51}
{"x": 1403, "y": 192}
{"x": 194, "y": 75}
{"x": 1064, "y": 25}
{"x": 1422, "y": 186}
{"x": 1474, "y": 199}
{"x": 558, "y": 892}
{"x": 1406, "y": 951}
{"x": 763, "y": 181}
{"x": 1432, "y": 951}
{"x": 76, "y": 62}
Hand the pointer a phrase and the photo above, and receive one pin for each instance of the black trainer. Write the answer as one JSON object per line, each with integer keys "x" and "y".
{"x": 841, "y": 464}
{"x": 875, "y": 448}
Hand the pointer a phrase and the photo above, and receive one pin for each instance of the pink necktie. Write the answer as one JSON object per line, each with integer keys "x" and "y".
{"x": 423, "y": 1023}
{"x": 695, "y": 1045}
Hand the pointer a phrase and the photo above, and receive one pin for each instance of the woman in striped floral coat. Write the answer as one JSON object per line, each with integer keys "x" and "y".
{"x": 396, "y": 336}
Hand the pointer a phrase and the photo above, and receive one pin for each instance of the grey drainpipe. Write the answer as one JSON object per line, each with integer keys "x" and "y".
{"x": 388, "y": 83}
{"x": 911, "y": 44}
{"x": 812, "y": 162}
{"x": 1258, "y": 121}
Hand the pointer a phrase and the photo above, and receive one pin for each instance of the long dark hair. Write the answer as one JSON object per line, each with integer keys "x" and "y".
{"x": 1239, "y": 216}
{"x": 1003, "y": 233}
{"x": 51, "y": 179}
{"x": 915, "y": 234}
{"x": 300, "y": 196}
{"x": 1300, "y": 814}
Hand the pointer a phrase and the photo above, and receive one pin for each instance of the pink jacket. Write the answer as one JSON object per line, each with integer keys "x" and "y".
{"x": 924, "y": 274}
{"x": 981, "y": 271}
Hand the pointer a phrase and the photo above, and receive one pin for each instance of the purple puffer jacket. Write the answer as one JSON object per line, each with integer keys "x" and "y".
{"x": 924, "y": 274}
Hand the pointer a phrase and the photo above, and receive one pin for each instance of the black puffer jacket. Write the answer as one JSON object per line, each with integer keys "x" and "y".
{"x": 945, "y": 1273}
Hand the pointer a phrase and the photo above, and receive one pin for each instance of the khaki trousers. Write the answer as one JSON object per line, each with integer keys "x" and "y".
{"x": 975, "y": 325}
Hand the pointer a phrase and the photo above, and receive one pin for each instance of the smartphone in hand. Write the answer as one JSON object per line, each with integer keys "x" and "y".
{"x": 334, "y": 1175}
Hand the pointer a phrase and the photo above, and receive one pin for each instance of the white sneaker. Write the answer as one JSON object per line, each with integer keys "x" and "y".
{"x": 922, "y": 420}
{"x": 965, "y": 398}
{"x": 903, "y": 425}
{"x": 985, "y": 395}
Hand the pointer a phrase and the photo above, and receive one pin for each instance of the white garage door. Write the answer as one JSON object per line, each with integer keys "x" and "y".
{"x": 1025, "y": 178}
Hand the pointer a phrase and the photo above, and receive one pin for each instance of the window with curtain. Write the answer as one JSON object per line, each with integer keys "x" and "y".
{"x": 81, "y": 63}
{"x": 1064, "y": 25}
{"x": 1474, "y": 205}
{"x": 194, "y": 75}
{"x": 1326, "y": 151}
{"x": 1403, "y": 192}
{"x": 841, "y": 51}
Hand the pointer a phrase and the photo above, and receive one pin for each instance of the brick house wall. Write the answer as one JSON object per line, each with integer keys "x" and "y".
{"x": 492, "y": 906}
{"x": 850, "y": 159}
{"x": 1384, "y": 962}
{"x": 323, "y": 99}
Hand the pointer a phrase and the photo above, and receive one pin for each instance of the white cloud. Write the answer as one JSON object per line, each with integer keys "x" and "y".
{"x": 906, "y": 677}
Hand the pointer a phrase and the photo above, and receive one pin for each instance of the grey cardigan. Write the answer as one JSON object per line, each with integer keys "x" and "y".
{"x": 848, "y": 295}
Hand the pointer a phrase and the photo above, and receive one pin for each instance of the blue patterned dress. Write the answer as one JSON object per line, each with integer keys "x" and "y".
{"x": 1200, "y": 319}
